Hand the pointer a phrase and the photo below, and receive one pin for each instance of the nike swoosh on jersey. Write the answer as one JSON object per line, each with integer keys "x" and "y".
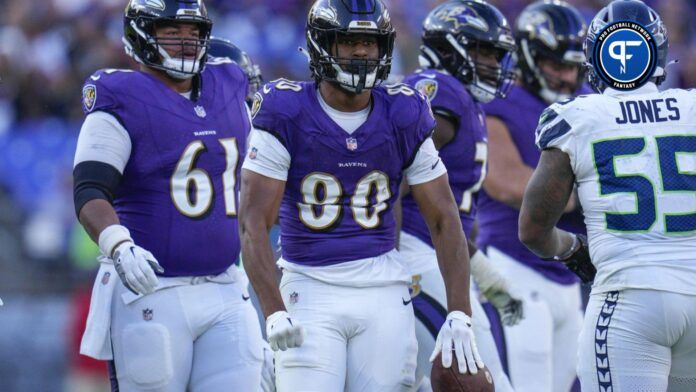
{"x": 435, "y": 165}
{"x": 95, "y": 78}
{"x": 245, "y": 297}
{"x": 266, "y": 89}
{"x": 406, "y": 302}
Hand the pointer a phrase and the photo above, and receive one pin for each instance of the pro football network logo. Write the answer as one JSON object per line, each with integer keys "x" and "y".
{"x": 625, "y": 55}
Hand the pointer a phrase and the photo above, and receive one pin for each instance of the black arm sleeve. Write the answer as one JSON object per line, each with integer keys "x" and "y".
{"x": 94, "y": 180}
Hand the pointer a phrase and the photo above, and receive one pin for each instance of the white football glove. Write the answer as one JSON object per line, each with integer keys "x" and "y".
{"x": 1, "y": 303}
{"x": 496, "y": 290}
{"x": 268, "y": 370}
{"x": 282, "y": 332}
{"x": 136, "y": 267}
{"x": 457, "y": 335}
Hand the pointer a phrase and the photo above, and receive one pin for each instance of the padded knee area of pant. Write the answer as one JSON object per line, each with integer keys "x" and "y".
{"x": 147, "y": 354}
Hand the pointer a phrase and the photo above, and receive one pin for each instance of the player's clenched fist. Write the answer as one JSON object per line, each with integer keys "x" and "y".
{"x": 457, "y": 335}
{"x": 282, "y": 332}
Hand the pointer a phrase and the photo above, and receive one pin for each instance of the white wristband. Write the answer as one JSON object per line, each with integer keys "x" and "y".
{"x": 483, "y": 272}
{"x": 111, "y": 237}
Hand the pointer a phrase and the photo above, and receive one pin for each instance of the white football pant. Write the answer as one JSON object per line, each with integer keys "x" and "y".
{"x": 638, "y": 340}
{"x": 356, "y": 339}
{"x": 542, "y": 348}
{"x": 200, "y": 338}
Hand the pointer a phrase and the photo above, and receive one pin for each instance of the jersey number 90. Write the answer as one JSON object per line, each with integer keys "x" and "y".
{"x": 322, "y": 207}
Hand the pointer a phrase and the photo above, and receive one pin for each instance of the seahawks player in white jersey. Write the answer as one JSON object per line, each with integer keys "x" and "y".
{"x": 632, "y": 154}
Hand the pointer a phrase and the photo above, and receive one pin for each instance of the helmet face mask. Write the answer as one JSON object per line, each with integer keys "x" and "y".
{"x": 154, "y": 35}
{"x": 471, "y": 41}
{"x": 559, "y": 80}
{"x": 333, "y": 27}
{"x": 551, "y": 33}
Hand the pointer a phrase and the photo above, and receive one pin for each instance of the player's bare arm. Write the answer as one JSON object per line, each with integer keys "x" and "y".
{"x": 259, "y": 203}
{"x": 96, "y": 215}
{"x": 546, "y": 196}
{"x": 507, "y": 174}
{"x": 436, "y": 203}
{"x": 445, "y": 130}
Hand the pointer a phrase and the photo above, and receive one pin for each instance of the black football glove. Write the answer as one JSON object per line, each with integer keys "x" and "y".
{"x": 579, "y": 260}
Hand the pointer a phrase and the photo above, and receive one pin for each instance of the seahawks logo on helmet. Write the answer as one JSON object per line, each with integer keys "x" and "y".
{"x": 463, "y": 16}
{"x": 428, "y": 88}
{"x": 539, "y": 26}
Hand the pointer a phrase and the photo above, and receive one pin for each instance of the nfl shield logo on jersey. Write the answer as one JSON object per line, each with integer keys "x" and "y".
{"x": 352, "y": 143}
{"x": 147, "y": 314}
{"x": 200, "y": 111}
{"x": 105, "y": 278}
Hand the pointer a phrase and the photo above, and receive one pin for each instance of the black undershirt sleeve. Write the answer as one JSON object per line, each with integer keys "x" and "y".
{"x": 94, "y": 180}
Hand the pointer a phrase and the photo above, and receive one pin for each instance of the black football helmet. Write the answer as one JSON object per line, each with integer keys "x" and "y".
{"x": 627, "y": 11}
{"x": 555, "y": 30}
{"x": 329, "y": 19}
{"x": 220, "y": 47}
{"x": 454, "y": 33}
{"x": 139, "y": 23}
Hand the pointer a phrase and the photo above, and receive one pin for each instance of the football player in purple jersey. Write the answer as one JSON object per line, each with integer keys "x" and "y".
{"x": 466, "y": 55}
{"x": 549, "y": 37}
{"x": 156, "y": 181}
{"x": 328, "y": 157}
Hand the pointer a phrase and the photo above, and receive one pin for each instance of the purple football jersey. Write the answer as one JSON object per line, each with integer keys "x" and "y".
{"x": 179, "y": 192}
{"x": 498, "y": 222}
{"x": 464, "y": 156}
{"x": 338, "y": 199}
